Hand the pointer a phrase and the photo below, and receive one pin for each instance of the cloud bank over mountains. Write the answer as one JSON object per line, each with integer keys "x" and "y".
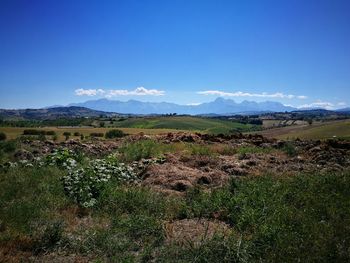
{"x": 139, "y": 91}
{"x": 142, "y": 91}
{"x": 279, "y": 95}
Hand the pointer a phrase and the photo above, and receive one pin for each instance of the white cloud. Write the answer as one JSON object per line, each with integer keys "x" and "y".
{"x": 247, "y": 94}
{"x": 140, "y": 91}
{"x": 193, "y": 104}
{"x": 318, "y": 104}
{"x": 89, "y": 92}
{"x": 302, "y": 97}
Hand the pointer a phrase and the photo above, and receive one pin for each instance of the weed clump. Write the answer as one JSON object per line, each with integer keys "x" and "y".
{"x": 290, "y": 149}
{"x": 143, "y": 149}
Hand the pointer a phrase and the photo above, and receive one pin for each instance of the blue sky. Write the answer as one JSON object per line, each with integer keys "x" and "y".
{"x": 58, "y": 52}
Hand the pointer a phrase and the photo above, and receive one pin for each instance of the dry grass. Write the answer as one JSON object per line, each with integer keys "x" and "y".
{"x": 325, "y": 130}
{"x": 14, "y": 132}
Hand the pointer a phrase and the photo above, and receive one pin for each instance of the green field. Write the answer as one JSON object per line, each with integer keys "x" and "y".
{"x": 185, "y": 123}
{"x": 326, "y": 130}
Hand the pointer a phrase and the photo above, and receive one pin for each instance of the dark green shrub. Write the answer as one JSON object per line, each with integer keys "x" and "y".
{"x": 96, "y": 134}
{"x": 77, "y": 134}
{"x": 51, "y": 133}
{"x": 2, "y": 136}
{"x": 33, "y": 132}
{"x": 114, "y": 134}
{"x": 8, "y": 146}
{"x": 66, "y": 135}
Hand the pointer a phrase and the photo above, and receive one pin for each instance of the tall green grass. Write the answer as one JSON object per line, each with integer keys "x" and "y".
{"x": 274, "y": 218}
{"x": 283, "y": 219}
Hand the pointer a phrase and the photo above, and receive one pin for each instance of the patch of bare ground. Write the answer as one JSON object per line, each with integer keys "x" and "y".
{"x": 194, "y": 231}
{"x": 20, "y": 250}
{"x": 176, "y": 178}
{"x": 58, "y": 258}
{"x": 77, "y": 219}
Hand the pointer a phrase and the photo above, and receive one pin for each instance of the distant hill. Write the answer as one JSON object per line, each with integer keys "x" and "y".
{"x": 208, "y": 125}
{"x": 219, "y": 106}
{"x": 50, "y": 113}
{"x": 345, "y": 110}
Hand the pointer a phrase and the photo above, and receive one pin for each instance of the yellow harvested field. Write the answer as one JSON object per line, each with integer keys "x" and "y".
{"x": 319, "y": 130}
{"x": 14, "y": 132}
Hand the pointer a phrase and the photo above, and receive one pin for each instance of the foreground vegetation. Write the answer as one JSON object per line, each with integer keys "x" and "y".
{"x": 271, "y": 218}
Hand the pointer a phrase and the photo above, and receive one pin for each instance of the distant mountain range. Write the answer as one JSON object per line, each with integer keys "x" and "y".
{"x": 219, "y": 106}
{"x": 105, "y": 107}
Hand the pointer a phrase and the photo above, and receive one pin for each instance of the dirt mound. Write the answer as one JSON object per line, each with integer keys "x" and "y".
{"x": 194, "y": 231}
{"x": 177, "y": 178}
{"x": 90, "y": 148}
{"x": 255, "y": 139}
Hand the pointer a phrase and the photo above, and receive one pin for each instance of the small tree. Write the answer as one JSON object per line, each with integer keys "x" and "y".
{"x": 2, "y": 136}
{"x": 81, "y": 136}
{"x": 310, "y": 121}
{"x": 102, "y": 124}
{"x": 66, "y": 135}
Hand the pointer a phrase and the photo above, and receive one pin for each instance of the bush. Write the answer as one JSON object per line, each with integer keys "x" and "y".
{"x": 52, "y": 133}
{"x": 38, "y": 132}
{"x": 77, "y": 134}
{"x": 2, "y": 136}
{"x": 33, "y": 132}
{"x": 8, "y": 146}
{"x": 66, "y": 135}
{"x": 96, "y": 134}
{"x": 114, "y": 134}
{"x": 84, "y": 185}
